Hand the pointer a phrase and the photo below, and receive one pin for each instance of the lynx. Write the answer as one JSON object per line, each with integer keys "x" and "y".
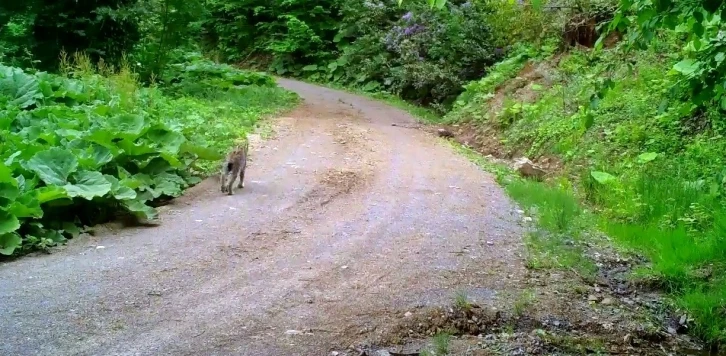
{"x": 235, "y": 164}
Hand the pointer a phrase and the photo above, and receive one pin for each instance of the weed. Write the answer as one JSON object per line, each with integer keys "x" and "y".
{"x": 440, "y": 344}
{"x": 461, "y": 300}
{"x": 524, "y": 302}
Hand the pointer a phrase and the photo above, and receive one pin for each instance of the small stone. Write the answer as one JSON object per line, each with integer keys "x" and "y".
{"x": 527, "y": 169}
{"x": 383, "y": 353}
{"x": 344, "y": 267}
{"x": 293, "y": 332}
{"x": 527, "y": 219}
{"x": 490, "y": 243}
{"x": 607, "y": 301}
{"x": 445, "y": 133}
{"x": 100, "y": 247}
{"x": 593, "y": 298}
{"x": 597, "y": 289}
{"x": 672, "y": 330}
{"x": 334, "y": 353}
{"x": 683, "y": 320}
{"x": 408, "y": 314}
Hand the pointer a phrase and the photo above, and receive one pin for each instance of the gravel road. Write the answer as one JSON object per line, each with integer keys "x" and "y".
{"x": 345, "y": 223}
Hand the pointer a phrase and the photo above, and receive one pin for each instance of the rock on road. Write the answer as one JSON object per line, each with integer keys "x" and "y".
{"x": 345, "y": 222}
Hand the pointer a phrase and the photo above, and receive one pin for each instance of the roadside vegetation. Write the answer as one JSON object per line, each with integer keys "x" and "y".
{"x": 89, "y": 135}
{"x": 620, "y": 101}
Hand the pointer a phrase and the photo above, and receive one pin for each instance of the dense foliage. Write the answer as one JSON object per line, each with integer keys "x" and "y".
{"x": 80, "y": 147}
{"x": 103, "y": 29}
{"x": 421, "y": 54}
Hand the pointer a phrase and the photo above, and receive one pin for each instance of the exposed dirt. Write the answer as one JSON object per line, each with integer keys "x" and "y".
{"x": 344, "y": 223}
{"x": 484, "y": 136}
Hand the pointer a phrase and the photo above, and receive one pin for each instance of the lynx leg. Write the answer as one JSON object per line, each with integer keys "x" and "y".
{"x": 241, "y": 183}
{"x": 232, "y": 178}
{"x": 223, "y": 179}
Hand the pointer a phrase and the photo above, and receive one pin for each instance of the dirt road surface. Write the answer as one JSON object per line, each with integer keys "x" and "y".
{"x": 345, "y": 224}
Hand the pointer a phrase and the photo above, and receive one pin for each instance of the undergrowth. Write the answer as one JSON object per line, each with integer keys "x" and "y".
{"x": 80, "y": 147}
{"x": 648, "y": 165}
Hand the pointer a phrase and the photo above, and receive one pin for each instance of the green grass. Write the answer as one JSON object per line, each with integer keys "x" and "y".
{"x": 666, "y": 199}
{"x": 440, "y": 345}
{"x": 461, "y": 300}
{"x": 227, "y": 117}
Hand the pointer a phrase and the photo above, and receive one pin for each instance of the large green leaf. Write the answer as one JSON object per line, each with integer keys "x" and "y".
{"x": 88, "y": 185}
{"x": 8, "y": 193}
{"x": 6, "y": 175}
{"x": 603, "y": 177}
{"x": 53, "y": 166}
{"x": 26, "y": 206}
{"x": 51, "y": 193}
{"x": 647, "y": 157}
{"x": 133, "y": 149}
{"x": 140, "y": 209}
{"x": 201, "y": 152}
{"x": 119, "y": 190}
{"x": 168, "y": 141}
{"x": 687, "y": 67}
{"x": 9, "y": 243}
{"x": 127, "y": 126}
{"x": 22, "y": 88}
{"x": 95, "y": 156}
{"x": 8, "y": 222}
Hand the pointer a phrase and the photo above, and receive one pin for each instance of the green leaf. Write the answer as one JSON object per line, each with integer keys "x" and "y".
{"x": 72, "y": 229}
{"x": 127, "y": 126}
{"x": 8, "y": 223}
{"x": 309, "y": 68}
{"x": 647, "y": 157}
{"x": 140, "y": 209}
{"x": 201, "y": 152}
{"x": 19, "y": 86}
{"x": 603, "y": 177}
{"x": 119, "y": 190}
{"x": 88, "y": 185}
{"x": 96, "y": 156}
{"x": 134, "y": 149}
{"x": 53, "y": 166}
{"x": 168, "y": 141}
{"x": 27, "y": 206}
{"x": 588, "y": 120}
{"x": 51, "y": 193}
{"x": 687, "y": 66}
{"x": 9, "y": 243}
{"x": 6, "y": 175}
{"x": 8, "y": 193}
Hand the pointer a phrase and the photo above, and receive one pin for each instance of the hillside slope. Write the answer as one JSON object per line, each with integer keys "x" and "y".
{"x": 646, "y": 167}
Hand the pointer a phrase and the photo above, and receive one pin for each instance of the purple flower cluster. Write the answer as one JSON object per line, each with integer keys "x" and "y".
{"x": 397, "y": 33}
{"x": 411, "y": 30}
